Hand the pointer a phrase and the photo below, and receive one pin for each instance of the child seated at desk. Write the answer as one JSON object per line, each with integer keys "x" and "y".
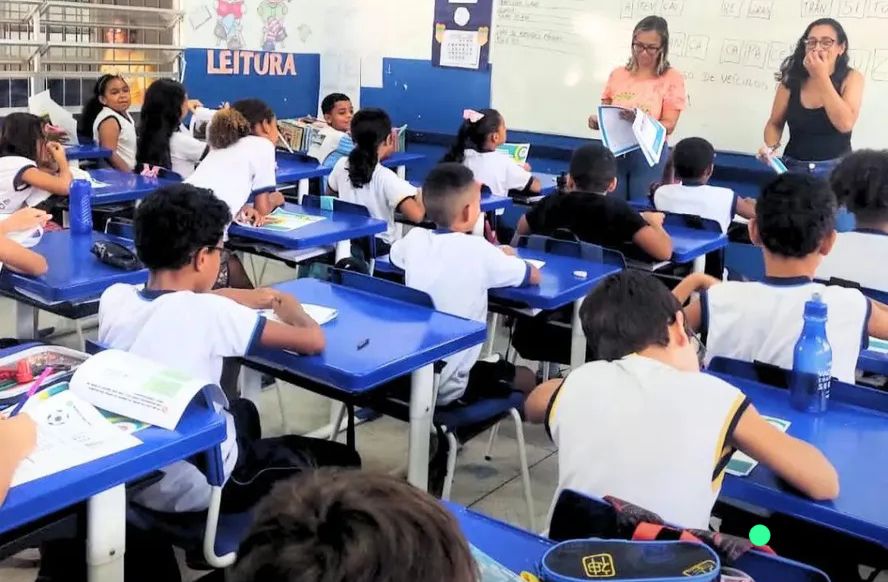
{"x": 23, "y": 149}
{"x": 641, "y": 422}
{"x": 342, "y": 526}
{"x": 338, "y": 112}
{"x": 589, "y": 213}
{"x": 693, "y": 161}
{"x": 18, "y": 437}
{"x": 861, "y": 184}
{"x": 457, "y": 270}
{"x": 761, "y": 321}
{"x": 176, "y": 321}
{"x": 241, "y": 163}
{"x": 362, "y": 179}
{"x": 107, "y": 121}
{"x": 162, "y": 142}
{"x": 479, "y": 135}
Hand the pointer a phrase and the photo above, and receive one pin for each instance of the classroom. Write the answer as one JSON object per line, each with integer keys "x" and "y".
{"x": 443, "y": 290}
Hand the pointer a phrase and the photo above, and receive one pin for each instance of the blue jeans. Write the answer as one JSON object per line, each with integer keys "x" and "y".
{"x": 844, "y": 219}
{"x": 635, "y": 176}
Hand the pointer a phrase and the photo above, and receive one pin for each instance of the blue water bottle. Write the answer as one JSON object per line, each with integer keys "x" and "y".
{"x": 812, "y": 361}
{"x": 80, "y": 207}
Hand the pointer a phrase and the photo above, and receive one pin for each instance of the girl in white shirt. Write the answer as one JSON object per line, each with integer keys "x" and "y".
{"x": 161, "y": 142}
{"x": 23, "y": 147}
{"x": 106, "y": 118}
{"x": 480, "y": 134}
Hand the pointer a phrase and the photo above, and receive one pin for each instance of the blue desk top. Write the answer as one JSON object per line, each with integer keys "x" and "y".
{"x": 336, "y": 227}
{"x": 853, "y": 438}
{"x": 549, "y": 183}
{"x": 490, "y": 202}
{"x": 559, "y": 285}
{"x": 75, "y": 274}
{"x": 403, "y": 337}
{"x": 199, "y": 430}
{"x": 88, "y": 151}
{"x": 873, "y": 362}
{"x": 690, "y": 243}
{"x": 123, "y": 186}
{"x": 292, "y": 168}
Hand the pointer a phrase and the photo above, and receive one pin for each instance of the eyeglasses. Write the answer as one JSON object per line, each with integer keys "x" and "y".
{"x": 826, "y": 43}
{"x": 650, "y": 49}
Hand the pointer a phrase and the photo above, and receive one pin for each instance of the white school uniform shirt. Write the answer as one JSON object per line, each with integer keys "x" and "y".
{"x": 15, "y": 193}
{"x": 703, "y": 200}
{"x": 497, "y": 171}
{"x": 234, "y": 173}
{"x": 762, "y": 321}
{"x": 153, "y": 325}
{"x": 456, "y": 270}
{"x": 647, "y": 433}
{"x": 859, "y": 257}
{"x": 126, "y": 142}
{"x": 185, "y": 152}
{"x": 381, "y": 195}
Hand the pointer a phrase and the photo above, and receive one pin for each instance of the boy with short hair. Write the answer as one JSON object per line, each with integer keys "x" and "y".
{"x": 594, "y": 217}
{"x": 343, "y": 526}
{"x": 693, "y": 161}
{"x": 177, "y": 321}
{"x": 457, "y": 270}
{"x": 641, "y": 422}
{"x": 762, "y": 321}
{"x": 338, "y": 111}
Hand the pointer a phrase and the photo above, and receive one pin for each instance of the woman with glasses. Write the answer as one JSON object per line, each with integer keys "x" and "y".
{"x": 819, "y": 98}
{"x": 647, "y": 82}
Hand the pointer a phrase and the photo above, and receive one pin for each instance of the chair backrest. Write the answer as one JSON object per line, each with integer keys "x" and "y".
{"x": 880, "y": 296}
{"x": 314, "y": 201}
{"x": 361, "y": 282}
{"x": 692, "y": 221}
{"x": 572, "y": 248}
{"x": 121, "y": 228}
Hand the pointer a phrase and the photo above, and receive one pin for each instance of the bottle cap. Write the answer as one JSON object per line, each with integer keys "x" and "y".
{"x": 816, "y": 308}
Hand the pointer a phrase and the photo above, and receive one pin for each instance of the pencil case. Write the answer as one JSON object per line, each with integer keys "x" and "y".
{"x": 116, "y": 255}
{"x": 62, "y": 360}
{"x": 593, "y": 559}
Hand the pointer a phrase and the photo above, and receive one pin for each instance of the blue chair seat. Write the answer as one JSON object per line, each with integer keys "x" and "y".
{"x": 458, "y": 416}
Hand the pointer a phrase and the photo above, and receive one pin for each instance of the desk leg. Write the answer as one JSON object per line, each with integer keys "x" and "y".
{"x": 343, "y": 250}
{"x": 402, "y": 172}
{"x": 577, "y": 338}
{"x": 421, "y": 410}
{"x": 302, "y": 189}
{"x": 249, "y": 384}
{"x": 700, "y": 264}
{"x": 106, "y": 535}
{"x": 25, "y": 321}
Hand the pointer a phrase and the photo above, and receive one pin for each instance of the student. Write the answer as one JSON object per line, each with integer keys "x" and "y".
{"x": 107, "y": 121}
{"x": 18, "y": 437}
{"x": 178, "y": 236}
{"x": 23, "y": 148}
{"x": 343, "y": 526}
{"x": 594, "y": 217}
{"x": 479, "y": 135}
{"x": 161, "y": 142}
{"x": 643, "y": 424}
{"x": 457, "y": 270}
{"x": 13, "y": 255}
{"x": 241, "y": 163}
{"x": 693, "y": 161}
{"x": 761, "y": 321}
{"x": 362, "y": 179}
{"x": 861, "y": 184}
{"x": 338, "y": 112}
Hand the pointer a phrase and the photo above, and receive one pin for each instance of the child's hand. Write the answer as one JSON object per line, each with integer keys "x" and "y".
{"x": 24, "y": 219}
{"x": 263, "y": 298}
{"x": 654, "y": 218}
{"x": 57, "y": 151}
{"x": 288, "y": 309}
{"x": 702, "y": 281}
{"x": 276, "y": 199}
{"x": 249, "y": 216}
{"x": 193, "y": 104}
{"x": 19, "y": 436}
{"x": 527, "y": 167}
{"x": 507, "y": 250}
{"x": 765, "y": 154}
{"x": 593, "y": 122}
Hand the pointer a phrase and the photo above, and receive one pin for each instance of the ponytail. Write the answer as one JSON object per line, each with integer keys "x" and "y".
{"x": 94, "y": 106}
{"x": 227, "y": 127}
{"x": 159, "y": 120}
{"x": 473, "y": 132}
{"x": 369, "y": 128}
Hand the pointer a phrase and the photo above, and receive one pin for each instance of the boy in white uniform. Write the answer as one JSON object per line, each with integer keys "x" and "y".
{"x": 762, "y": 321}
{"x": 693, "y": 161}
{"x": 641, "y": 422}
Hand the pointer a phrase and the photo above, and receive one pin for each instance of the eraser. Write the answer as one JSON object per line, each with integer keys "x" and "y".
{"x": 581, "y": 274}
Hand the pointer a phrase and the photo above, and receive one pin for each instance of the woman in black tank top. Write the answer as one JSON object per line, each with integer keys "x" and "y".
{"x": 819, "y": 98}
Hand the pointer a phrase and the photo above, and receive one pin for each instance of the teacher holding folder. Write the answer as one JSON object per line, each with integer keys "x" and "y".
{"x": 647, "y": 82}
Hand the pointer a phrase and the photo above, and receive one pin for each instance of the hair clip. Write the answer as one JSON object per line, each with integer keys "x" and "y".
{"x": 472, "y": 116}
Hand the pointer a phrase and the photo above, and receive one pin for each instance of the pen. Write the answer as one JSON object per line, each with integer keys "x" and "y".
{"x": 31, "y": 391}
{"x": 364, "y": 344}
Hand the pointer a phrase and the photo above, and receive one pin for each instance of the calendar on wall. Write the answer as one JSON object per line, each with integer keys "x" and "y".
{"x": 462, "y": 34}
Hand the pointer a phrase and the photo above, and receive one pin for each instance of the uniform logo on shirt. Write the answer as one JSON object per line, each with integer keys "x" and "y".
{"x": 599, "y": 566}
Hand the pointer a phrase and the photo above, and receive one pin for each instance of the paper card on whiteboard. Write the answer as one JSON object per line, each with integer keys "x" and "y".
{"x": 371, "y": 71}
{"x": 340, "y": 73}
{"x": 461, "y": 49}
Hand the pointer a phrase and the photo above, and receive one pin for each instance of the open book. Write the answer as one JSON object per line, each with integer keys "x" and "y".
{"x": 622, "y": 134}
{"x": 517, "y": 151}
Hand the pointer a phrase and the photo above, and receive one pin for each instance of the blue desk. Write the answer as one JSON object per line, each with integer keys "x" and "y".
{"x": 492, "y": 203}
{"x": 548, "y": 182}
{"x": 874, "y": 362}
{"x": 404, "y": 338}
{"x": 337, "y": 228}
{"x": 100, "y": 483}
{"x": 123, "y": 186}
{"x": 89, "y": 151}
{"x": 75, "y": 276}
{"x": 690, "y": 245}
{"x": 853, "y": 436}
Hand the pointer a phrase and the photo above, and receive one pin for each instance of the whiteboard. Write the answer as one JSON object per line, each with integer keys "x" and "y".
{"x": 551, "y": 59}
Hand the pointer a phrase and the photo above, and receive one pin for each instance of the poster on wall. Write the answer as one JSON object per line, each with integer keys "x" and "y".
{"x": 268, "y": 25}
{"x": 462, "y": 34}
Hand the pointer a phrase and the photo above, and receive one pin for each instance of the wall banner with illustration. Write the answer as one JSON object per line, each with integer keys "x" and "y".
{"x": 462, "y": 34}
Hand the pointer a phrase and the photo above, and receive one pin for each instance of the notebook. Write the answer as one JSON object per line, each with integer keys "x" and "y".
{"x": 320, "y": 314}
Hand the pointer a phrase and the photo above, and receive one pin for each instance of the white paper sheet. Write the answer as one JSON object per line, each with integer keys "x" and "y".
{"x": 340, "y": 73}
{"x": 460, "y": 48}
{"x": 42, "y": 104}
{"x": 371, "y": 71}
{"x": 616, "y": 132}
{"x": 535, "y": 263}
{"x": 318, "y": 313}
{"x": 70, "y": 432}
{"x": 651, "y": 136}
